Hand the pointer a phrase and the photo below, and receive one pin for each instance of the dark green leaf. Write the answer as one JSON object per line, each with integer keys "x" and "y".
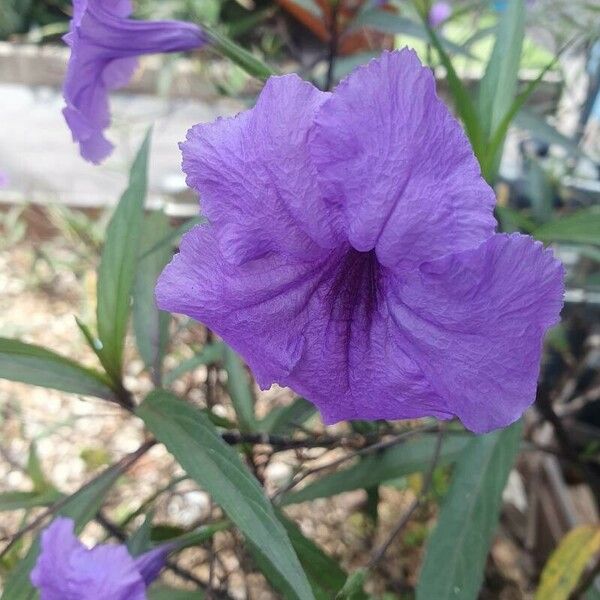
{"x": 81, "y": 507}
{"x": 397, "y": 461}
{"x": 582, "y": 227}
{"x": 499, "y": 84}
{"x": 324, "y": 573}
{"x": 193, "y": 440}
{"x": 210, "y": 354}
{"x": 241, "y": 57}
{"x": 458, "y": 548}
{"x": 240, "y": 392}
{"x": 173, "y": 235}
{"x": 151, "y": 326}
{"x": 26, "y": 500}
{"x": 38, "y": 366}
{"x": 118, "y": 265}
{"x": 353, "y": 586}
{"x": 285, "y": 419}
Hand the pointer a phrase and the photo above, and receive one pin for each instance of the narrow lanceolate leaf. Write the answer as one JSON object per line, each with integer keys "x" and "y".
{"x": 194, "y": 441}
{"x": 81, "y": 507}
{"x": 324, "y": 573}
{"x": 582, "y": 227}
{"x": 35, "y": 365}
{"x": 499, "y": 84}
{"x": 241, "y": 57}
{"x": 566, "y": 564}
{"x": 285, "y": 419}
{"x": 458, "y": 548}
{"x": 240, "y": 392}
{"x": 151, "y": 326}
{"x": 397, "y": 461}
{"x": 210, "y": 354}
{"x": 118, "y": 265}
{"x": 25, "y": 500}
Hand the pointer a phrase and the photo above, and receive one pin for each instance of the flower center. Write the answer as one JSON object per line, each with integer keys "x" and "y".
{"x": 354, "y": 292}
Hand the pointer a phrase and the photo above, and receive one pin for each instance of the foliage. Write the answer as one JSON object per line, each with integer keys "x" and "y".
{"x": 217, "y": 452}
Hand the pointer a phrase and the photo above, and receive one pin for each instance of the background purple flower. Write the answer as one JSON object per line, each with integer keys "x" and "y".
{"x": 67, "y": 570}
{"x": 105, "y": 45}
{"x": 351, "y": 253}
{"x": 438, "y": 13}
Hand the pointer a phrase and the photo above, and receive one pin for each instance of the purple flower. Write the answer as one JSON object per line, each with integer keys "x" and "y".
{"x": 105, "y": 45}
{"x": 351, "y": 253}
{"x": 67, "y": 570}
{"x": 438, "y": 13}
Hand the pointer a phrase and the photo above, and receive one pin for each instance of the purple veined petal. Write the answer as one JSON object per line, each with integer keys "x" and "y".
{"x": 52, "y": 569}
{"x": 106, "y": 571}
{"x": 105, "y": 45}
{"x": 475, "y": 322}
{"x": 67, "y": 570}
{"x": 439, "y": 12}
{"x": 257, "y": 185}
{"x": 317, "y": 326}
{"x": 388, "y": 149}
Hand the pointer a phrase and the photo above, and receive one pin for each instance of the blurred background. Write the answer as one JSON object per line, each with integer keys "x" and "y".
{"x": 54, "y": 207}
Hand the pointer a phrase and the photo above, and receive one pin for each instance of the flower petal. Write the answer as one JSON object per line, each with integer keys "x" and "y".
{"x": 51, "y": 571}
{"x": 389, "y": 153}
{"x": 259, "y": 308}
{"x": 106, "y": 571}
{"x": 104, "y": 48}
{"x": 257, "y": 185}
{"x": 475, "y": 323}
{"x": 316, "y": 326}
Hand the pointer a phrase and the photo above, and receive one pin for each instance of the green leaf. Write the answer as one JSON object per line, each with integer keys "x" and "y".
{"x": 457, "y": 549}
{"x": 353, "y": 586}
{"x": 499, "y": 84}
{"x": 190, "y": 436}
{"x": 163, "y": 592}
{"x": 240, "y": 392}
{"x": 140, "y": 541}
{"x": 151, "y": 326}
{"x": 283, "y": 420}
{"x": 34, "y": 470}
{"x": 581, "y": 227}
{"x": 25, "y": 500}
{"x": 118, "y": 265}
{"x": 542, "y": 130}
{"x": 324, "y": 573}
{"x": 490, "y": 159}
{"x": 35, "y": 365}
{"x": 397, "y": 461}
{"x": 82, "y": 506}
{"x": 210, "y": 354}
{"x": 173, "y": 235}
{"x": 241, "y": 57}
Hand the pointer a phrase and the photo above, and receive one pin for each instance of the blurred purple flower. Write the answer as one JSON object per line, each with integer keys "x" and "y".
{"x": 351, "y": 253}
{"x": 105, "y": 45}
{"x": 4, "y": 180}
{"x": 438, "y": 13}
{"x": 67, "y": 570}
